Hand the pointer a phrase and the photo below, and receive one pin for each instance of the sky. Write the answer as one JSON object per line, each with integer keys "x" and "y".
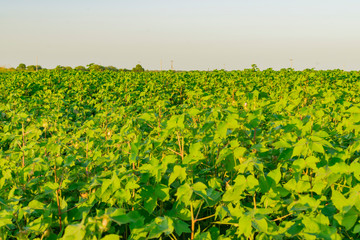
{"x": 195, "y": 35}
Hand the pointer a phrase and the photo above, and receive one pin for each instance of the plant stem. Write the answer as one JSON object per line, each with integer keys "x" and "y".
{"x": 279, "y": 218}
{"x": 254, "y": 135}
{"x": 192, "y": 221}
{"x": 204, "y": 218}
{"x": 254, "y": 199}
{"x": 23, "y": 146}
{"x": 58, "y": 199}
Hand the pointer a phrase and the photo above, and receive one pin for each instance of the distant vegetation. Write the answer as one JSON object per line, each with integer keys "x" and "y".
{"x": 89, "y": 67}
{"x": 138, "y": 68}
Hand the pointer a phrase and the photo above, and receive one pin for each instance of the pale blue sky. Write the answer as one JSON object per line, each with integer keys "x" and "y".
{"x": 197, "y": 34}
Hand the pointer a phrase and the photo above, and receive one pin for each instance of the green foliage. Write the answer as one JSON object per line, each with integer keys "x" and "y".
{"x": 111, "y": 68}
{"x": 178, "y": 155}
{"x": 138, "y": 68}
{"x": 254, "y": 67}
{"x": 21, "y": 67}
{"x": 62, "y": 68}
{"x": 80, "y": 68}
{"x": 4, "y": 69}
{"x": 33, "y": 68}
{"x": 95, "y": 67}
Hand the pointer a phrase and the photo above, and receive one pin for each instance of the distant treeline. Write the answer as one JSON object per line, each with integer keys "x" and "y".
{"x": 137, "y": 68}
{"x": 89, "y": 67}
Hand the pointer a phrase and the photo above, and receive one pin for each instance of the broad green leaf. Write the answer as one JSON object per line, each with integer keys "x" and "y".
{"x": 340, "y": 202}
{"x": 348, "y": 219}
{"x": 275, "y": 175}
{"x": 74, "y": 232}
{"x": 179, "y": 173}
{"x": 260, "y": 224}
{"x": 181, "y": 227}
{"x": 300, "y": 147}
{"x": 184, "y": 193}
{"x": 5, "y": 218}
{"x": 35, "y": 204}
{"x": 111, "y": 237}
{"x": 316, "y": 147}
{"x": 160, "y": 225}
{"x": 245, "y": 226}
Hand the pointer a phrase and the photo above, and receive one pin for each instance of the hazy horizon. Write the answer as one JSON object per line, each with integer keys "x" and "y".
{"x": 196, "y": 35}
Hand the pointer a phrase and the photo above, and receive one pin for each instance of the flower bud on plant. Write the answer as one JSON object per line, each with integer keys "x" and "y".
{"x": 245, "y": 106}
{"x": 105, "y": 223}
{"x": 46, "y": 233}
{"x": 84, "y": 195}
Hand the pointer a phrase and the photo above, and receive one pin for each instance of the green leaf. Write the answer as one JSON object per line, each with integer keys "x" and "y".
{"x": 111, "y": 237}
{"x": 159, "y": 226}
{"x": 115, "y": 182}
{"x": 181, "y": 227}
{"x": 282, "y": 144}
{"x": 251, "y": 182}
{"x": 311, "y": 162}
{"x": 37, "y": 225}
{"x": 184, "y": 193}
{"x": 221, "y": 130}
{"x": 178, "y": 172}
{"x": 264, "y": 185}
{"x": 356, "y": 228}
{"x": 132, "y": 217}
{"x": 151, "y": 196}
{"x": 133, "y": 152}
{"x": 199, "y": 186}
{"x": 147, "y": 117}
{"x": 5, "y": 218}
{"x": 203, "y": 236}
{"x": 105, "y": 184}
{"x": 50, "y": 187}
{"x": 74, "y": 232}
{"x": 340, "y": 202}
{"x": 35, "y": 204}
{"x": 245, "y": 226}
{"x": 176, "y": 121}
{"x": 348, "y": 219}
{"x": 234, "y": 194}
{"x": 300, "y": 147}
{"x": 316, "y": 147}
{"x": 239, "y": 152}
{"x": 195, "y": 153}
{"x": 275, "y": 175}
{"x": 260, "y": 224}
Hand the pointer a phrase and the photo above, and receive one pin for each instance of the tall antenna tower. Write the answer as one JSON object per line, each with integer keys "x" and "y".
{"x": 36, "y": 63}
{"x": 172, "y": 65}
{"x": 160, "y": 65}
{"x": 291, "y": 63}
